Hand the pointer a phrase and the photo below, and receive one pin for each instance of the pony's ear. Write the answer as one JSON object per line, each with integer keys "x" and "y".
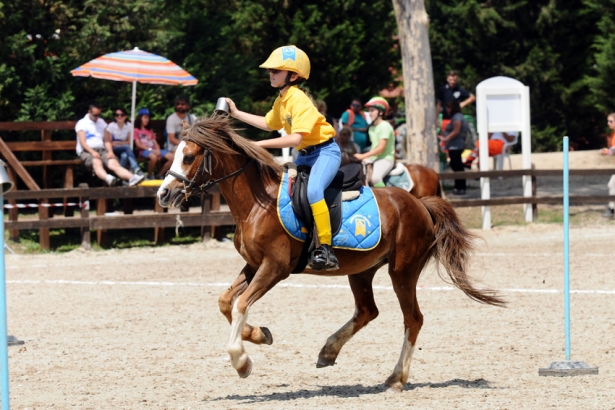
{"x": 185, "y": 125}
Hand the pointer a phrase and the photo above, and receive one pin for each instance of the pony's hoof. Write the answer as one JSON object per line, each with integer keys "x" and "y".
{"x": 245, "y": 370}
{"x": 322, "y": 362}
{"x": 395, "y": 388}
{"x": 268, "y": 336}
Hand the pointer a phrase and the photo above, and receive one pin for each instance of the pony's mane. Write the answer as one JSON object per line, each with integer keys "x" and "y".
{"x": 217, "y": 134}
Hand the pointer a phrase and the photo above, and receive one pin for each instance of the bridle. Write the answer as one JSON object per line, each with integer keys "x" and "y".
{"x": 204, "y": 167}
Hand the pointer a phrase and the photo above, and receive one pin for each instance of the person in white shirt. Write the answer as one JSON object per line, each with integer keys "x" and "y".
{"x": 91, "y": 150}
{"x": 176, "y": 120}
{"x": 117, "y": 141}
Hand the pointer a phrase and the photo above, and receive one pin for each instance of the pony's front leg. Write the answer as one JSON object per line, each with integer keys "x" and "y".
{"x": 266, "y": 277}
{"x": 256, "y": 335}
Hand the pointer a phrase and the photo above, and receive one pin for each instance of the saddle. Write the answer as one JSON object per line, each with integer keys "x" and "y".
{"x": 348, "y": 178}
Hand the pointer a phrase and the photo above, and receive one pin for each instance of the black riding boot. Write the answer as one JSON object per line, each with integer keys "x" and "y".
{"x": 323, "y": 258}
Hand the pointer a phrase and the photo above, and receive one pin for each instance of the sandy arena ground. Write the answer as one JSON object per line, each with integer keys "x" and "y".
{"x": 141, "y": 328}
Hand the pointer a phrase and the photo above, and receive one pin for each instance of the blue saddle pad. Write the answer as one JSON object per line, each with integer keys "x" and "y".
{"x": 360, "y": 228}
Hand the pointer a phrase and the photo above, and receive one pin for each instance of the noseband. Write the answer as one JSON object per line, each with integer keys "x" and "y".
{"x": 204, "y": 167}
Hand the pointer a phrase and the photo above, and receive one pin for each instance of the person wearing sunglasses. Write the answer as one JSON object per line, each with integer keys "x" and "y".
{"x": 92, "y": 151}
{"x": 308, "y": 131}
{"x": 355, "y": 118}
{"x": 117, "y": 141}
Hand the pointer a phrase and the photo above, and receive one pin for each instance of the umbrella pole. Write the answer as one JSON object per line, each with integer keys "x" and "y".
{"x": 132, "y": 114}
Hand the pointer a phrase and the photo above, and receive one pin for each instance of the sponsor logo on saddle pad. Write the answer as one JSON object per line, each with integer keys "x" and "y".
{"x": 360, "y": 228}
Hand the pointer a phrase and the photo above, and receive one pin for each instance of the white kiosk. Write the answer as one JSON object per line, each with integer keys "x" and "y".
{"x": 503, "y": 104}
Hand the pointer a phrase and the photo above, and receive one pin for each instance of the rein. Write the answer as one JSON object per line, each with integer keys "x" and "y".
{"x": 204, "y": 166}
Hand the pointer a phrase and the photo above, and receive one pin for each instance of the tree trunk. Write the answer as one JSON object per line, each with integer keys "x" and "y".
{"x": 413, "y": 27}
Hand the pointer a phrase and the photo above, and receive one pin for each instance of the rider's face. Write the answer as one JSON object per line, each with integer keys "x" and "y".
{"x": 373, "y": 113}
{"x": 277, "y": 77}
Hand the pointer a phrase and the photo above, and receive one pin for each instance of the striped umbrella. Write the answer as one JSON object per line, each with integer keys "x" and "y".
{"x": 135, "y": 66}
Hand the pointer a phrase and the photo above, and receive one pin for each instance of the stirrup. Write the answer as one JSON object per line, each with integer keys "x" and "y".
{"x": 323, "y": 258}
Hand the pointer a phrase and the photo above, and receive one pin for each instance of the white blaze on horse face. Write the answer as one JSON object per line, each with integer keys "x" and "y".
{"x": 176, "y": 167}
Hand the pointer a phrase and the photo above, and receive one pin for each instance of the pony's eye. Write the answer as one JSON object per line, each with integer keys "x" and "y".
{"x": 188, "y": 159}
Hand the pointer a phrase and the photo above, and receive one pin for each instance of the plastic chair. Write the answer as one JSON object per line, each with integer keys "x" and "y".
{"x": 498, "y": 160}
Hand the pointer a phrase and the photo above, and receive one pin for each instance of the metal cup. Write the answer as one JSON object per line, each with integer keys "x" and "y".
{"x": 222, "y": 106}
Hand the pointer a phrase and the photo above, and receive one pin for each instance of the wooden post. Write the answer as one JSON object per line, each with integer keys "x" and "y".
{"x": 12, "y": 160}
{"x": 206, "y": 231}
{"x": 46, "y": 136}
{"x": 13, "y": 212}
{"x": 85, "y": 214}
{"x": 159, "y": 230}
{"x": 68, "y": 183}
{"x": 534, "y": 189}
{"x": 43, "y": 214}
{"x": 101, "y": 209}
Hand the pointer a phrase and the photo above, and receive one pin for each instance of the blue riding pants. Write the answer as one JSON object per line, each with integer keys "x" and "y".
{"x": 325, "y": 162}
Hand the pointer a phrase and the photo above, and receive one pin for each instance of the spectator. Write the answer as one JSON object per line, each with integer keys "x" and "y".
{"x": 610, "y": 211}
{"x": 321, "y": 106}
{"x": 610, "y": 139}
{"x": 355, "y": 119}
{"x": 453, "y": 138}
{"x": 496, "y": 143}
{"x": 91, "y": 150}
{"x": 117, "y": 141}
{"x": 145, "y": 140}
{"x": 382, "y": 136}
{"x": 347, "y": 146}
{"x": 175, "y": 122}
{"x": 451, "y": 91}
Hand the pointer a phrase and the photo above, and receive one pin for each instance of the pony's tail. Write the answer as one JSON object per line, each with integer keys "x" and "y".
{"x": 453, "y": 249}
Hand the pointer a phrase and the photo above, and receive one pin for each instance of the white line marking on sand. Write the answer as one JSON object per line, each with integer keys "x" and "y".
{"x": 285, "y": 285}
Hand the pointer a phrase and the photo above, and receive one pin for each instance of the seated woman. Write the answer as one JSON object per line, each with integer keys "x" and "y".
{"x": 145, "y": 140}
{"x": 496, "y": 143}
{"x": 116, "y": 141}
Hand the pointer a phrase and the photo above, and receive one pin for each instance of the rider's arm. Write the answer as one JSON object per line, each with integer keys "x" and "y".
{"x": 254, "y": 120}
{"x": 376, "y": 151}
{"x": 287, "y": 141}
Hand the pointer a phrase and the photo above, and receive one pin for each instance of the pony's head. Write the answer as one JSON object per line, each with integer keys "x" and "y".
{"x": 211, "y": 150}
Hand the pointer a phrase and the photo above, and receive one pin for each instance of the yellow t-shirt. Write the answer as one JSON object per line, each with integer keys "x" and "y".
{"x": 296, "y": 113}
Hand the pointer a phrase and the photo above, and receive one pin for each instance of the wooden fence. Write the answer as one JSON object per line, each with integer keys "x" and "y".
{"x": 534, "y": 199}
{"x": 210, "y": 216}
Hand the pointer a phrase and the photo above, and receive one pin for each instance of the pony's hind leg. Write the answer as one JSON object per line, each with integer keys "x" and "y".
{"x": 253, "y": 334}
{"x": 404, "y": 284}
{"x": 365, "y": 312}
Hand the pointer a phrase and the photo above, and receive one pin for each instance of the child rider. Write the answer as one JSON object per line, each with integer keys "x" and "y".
{"x": 307, "y": 131}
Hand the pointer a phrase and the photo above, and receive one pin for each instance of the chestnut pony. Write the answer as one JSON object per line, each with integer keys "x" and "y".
{"x": 413, "y": 232}
{"x": 426, "y": 181}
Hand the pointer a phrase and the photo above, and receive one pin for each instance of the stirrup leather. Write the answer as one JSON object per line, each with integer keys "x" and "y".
{"x": 323, "y": 258}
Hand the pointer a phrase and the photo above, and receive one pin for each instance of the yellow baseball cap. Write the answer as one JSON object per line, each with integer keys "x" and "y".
{"x": 289, "y": 58}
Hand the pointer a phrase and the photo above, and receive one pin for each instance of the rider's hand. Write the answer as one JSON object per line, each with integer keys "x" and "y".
{"x": 360, "y": 157}
{"x": 231, "y": 107}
